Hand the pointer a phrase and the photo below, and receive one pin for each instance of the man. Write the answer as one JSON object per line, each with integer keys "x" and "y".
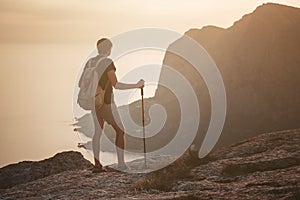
{"x": 108, "y": 112}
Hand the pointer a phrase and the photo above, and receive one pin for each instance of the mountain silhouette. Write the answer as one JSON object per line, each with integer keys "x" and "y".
{"x": 259, "y": 60}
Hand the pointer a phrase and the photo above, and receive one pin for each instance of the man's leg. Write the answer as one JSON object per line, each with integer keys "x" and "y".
{"x": 109, "y": 112}
{"x": 98, "y": 125}
{"x": 114, "y": 120}
{"x": 120, "y": 143}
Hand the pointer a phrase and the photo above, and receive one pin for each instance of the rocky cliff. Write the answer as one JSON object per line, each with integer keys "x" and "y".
{"x": 27, "y": 171}
{"x": 258, "y": 58}
{"x": 263, "y": 167}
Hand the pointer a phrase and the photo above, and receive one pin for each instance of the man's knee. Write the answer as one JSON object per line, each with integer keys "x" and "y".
{"x": 119, "y": 131}
{"x": 117, "y": 126}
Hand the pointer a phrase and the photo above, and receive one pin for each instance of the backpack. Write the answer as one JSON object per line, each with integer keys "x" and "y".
{"x": 88, "y": 84}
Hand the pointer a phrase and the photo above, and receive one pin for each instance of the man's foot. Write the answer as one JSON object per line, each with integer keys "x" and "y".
{"x": 123, "y": 167}
{"x": 98, "y": 169}
{"x": 110, "y": 169}
{"x": 97, "y": 163}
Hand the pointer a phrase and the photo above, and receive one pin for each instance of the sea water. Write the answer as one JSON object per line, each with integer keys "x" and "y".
{"x": 37, "y": 84}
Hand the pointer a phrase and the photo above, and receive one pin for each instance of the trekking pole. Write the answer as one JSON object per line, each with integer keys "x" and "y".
{"x": 143, "y": 122}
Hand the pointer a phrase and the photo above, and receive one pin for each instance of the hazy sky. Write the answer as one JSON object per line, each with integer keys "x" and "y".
{"x": 74, "y": 21}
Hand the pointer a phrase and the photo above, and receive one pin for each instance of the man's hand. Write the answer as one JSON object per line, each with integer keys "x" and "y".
{"x": 140, "y": 83}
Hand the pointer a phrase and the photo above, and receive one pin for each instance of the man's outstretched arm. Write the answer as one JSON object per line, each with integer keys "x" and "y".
{"x": 123, "y": 86}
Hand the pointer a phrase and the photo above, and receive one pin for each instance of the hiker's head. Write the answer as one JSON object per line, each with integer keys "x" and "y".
{"x": 104, "y": 46}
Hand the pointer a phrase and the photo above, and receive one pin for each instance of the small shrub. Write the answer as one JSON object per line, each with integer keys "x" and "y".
{"x": 163, "y": 179}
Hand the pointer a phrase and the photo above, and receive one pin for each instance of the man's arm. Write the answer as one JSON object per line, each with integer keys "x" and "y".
{"x": 122, "y": 86}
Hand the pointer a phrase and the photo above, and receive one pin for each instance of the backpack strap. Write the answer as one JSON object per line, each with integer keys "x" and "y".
{"x": 98, "y": 62}
{"x": 107, "y": 83}
{"x": 104, "y": 89}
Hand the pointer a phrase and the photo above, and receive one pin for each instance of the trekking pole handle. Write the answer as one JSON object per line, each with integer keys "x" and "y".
{"x": 142, "y": 91}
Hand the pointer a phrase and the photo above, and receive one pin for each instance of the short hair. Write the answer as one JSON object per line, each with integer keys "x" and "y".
{"x": 104, "y": 45}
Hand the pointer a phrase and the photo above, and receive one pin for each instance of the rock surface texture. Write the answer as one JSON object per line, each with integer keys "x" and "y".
{"x": 264, "y": 167}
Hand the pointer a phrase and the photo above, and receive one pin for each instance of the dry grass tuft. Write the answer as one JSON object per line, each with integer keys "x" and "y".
{"x": 163, "y": 179}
